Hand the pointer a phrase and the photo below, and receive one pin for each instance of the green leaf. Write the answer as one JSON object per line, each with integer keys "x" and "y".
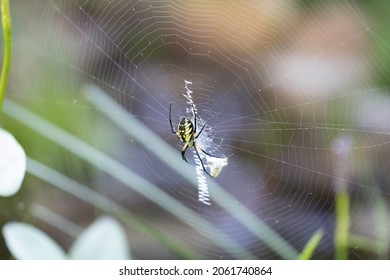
{"x": 105, "y": 239}
{"x": 27, "y": 242}
{"x": 12, "y": 164}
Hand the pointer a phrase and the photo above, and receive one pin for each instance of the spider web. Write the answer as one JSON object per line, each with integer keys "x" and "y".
{"x": 291, "y": 93}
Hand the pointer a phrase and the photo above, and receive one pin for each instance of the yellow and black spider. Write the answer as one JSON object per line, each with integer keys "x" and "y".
{"x": 187, "y": 133}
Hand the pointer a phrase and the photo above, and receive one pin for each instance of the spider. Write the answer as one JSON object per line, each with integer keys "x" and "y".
{"x": 187, "y": 133}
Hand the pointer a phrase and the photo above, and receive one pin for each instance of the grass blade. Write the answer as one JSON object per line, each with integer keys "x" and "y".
{"x": 312, "y": 245}
{"x": 341, "y": 235}
{"x": 104, "y": 204}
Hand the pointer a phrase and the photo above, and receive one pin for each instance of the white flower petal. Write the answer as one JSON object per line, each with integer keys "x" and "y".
{"x": 12, "y": 164}
{"x": 105, "y": 239}
{"x": 27, "y": 242}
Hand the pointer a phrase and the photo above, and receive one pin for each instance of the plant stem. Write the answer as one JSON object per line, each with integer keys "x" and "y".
{"x": 382, "y": 244}
{"x": 341, "y": 238}
{"x": 6, "y": 22}
{"x": 343, "y": 164}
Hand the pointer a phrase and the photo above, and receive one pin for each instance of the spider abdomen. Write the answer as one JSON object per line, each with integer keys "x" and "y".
{"x": 185, "y": 130}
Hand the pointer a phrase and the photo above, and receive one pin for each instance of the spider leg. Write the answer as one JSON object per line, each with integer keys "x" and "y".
{"x": 183, "y": 152}
{"x": 201, "y": 161}
{"x": 200, "y": 148}
{"x": 197, "y": 135}
{"x": 170, "y": 119}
